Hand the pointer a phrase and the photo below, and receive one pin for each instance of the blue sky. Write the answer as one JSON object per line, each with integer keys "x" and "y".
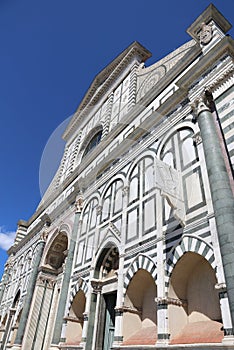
{"x": 50, "y": 52}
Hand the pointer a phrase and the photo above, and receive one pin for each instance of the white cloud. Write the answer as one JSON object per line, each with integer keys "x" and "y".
{"x": 6, "y": 239}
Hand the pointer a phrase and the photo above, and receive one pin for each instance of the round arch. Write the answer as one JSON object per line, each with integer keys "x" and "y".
{"x": 146, "y": 154}
{"x": 115, "y": 178}
{"x": 140, "y": 262}
{"x": 184, "y": 125}
{"x": 80, "y": 285}
{"x": 97, "y": 130}
{"x": 192, "y": 244}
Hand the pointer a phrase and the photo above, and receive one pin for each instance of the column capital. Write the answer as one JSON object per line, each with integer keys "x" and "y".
{"x": 99, "y": 210}
{"x": 125, "y": 190}
{"x": 197, "y": 139}
{"x": 97, "y": 286}
{"x": 45, "y": 281}
{"x": 202, "y": 103}
{"x": 79, "y": 203}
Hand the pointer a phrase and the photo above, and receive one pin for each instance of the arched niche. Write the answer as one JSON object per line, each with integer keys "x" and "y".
{"x": 194, "y": 309}
{"x": 57, "y": 252}
{"x": 140, "y": 312}
{"x": 75, "y": 319}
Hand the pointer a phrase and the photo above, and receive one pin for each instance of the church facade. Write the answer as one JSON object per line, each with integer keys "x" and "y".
{"x": 132, "y": 245}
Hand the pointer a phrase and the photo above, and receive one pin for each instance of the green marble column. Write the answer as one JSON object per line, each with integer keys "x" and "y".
{"x": 221, "y": 192}
{"x": 66, "y": 277}
{"x": 29, "y": 295}
{"x": 5, "y": 280}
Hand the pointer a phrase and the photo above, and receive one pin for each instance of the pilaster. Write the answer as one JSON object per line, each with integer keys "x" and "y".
{"x": 31, "y": 286}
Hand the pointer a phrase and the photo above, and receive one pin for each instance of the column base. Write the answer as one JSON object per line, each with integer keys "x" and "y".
{"x": 118, "y": 340}
{"x": 15, "y": 347}
{"x": 163, "y": 339}
{"x": 54, "y": 347}
{"x": 228, "y": 340}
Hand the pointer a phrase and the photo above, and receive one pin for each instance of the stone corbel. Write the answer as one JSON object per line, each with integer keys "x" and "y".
{"x": 74, "y": 319}
{"x": 216, "y": 83}
{"x": 130, "y": 309}
{"x": 171, "y": 301}
{"x": 221, "y": 286}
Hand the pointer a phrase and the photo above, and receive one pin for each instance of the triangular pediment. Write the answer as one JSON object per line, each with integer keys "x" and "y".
{"x": 105, "y": 78}
{"x": 110, "y": 234}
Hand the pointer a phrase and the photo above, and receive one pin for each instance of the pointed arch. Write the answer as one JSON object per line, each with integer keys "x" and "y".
{"x": 140, "y": 262}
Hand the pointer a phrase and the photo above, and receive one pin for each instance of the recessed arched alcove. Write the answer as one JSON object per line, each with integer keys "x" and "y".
{"x": 75, "y": 319}
{"x": 140, "y": 316}
{"x": 57, "y": 252}
{"x": 194, "y": 310}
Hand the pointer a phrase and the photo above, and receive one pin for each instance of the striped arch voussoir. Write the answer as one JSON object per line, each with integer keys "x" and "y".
{"x": 190, "y": 244}
{"x": 80, "y": 285}
{"x": 141, "y": 262}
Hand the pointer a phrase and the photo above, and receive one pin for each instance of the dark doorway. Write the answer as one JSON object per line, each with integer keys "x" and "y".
{"x": 109, "y": 329}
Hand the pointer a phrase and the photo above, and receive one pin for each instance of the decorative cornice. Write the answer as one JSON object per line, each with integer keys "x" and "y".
{"x": 210, "y": 13}
{"x": 221, "y": 79}
{"x": 224, "y": 48}
{"x": 114, "y": 228}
